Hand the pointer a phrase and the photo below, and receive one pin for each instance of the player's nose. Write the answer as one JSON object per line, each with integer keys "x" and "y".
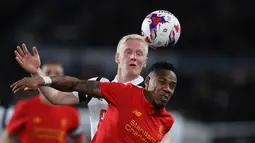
{"x": 133, "y": 57}
{"x": 167, "y": 90}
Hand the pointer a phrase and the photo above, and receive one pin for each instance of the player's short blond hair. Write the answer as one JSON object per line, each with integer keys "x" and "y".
{"x": 132, "y": 36}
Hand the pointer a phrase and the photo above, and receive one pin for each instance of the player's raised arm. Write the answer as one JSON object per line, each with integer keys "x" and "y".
{"x": 31, "y": 63}
{"x": 63, "y": 83}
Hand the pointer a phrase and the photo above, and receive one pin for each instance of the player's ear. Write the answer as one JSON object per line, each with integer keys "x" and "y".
{"x": 147, "y": 82}
{"x": 117, "y": 58}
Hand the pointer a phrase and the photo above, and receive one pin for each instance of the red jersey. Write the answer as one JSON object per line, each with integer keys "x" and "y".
{"x": 38, "y": 122}
{"x": 130, "y": 117}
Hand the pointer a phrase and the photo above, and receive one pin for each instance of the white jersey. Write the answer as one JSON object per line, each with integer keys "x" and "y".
{"x": 97, "y": 107}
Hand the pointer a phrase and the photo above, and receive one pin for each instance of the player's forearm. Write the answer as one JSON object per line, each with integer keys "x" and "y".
{"x": 54, "y": 96}
{"x": 69, "y": 84}
{"x": 57, "y": 97}
{"x": 48, "y": 92}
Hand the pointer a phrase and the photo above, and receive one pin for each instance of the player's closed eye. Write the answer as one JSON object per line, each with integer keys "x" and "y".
{"x": 162, "y": 82}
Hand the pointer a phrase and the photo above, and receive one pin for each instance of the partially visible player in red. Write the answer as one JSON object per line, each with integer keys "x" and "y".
{"x": 35, "y": 120}
{"x": 140, "y": 114}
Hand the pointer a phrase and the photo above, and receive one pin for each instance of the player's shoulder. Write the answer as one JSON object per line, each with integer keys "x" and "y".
{"x": 73, "y": 111}
{"x": 67, "y": 107}
{"x": 70, "y": 109}
{"x": 128, "y": 86}
{"x": 27, "y": 102}
{"x": 167, "y": 121}
{"x": 101, "y": 79}
{"x": 136, "y": 87}
{"x": 167, "y": 116}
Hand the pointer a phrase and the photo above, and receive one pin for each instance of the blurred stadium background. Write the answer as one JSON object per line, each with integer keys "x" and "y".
{"x": 214, "y": 100}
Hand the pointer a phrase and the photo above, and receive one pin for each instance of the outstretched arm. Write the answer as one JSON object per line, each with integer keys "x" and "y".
{"x": 114, "y": 93}
{"x": 69, "y": 84}
{"x": 31, "y": 63}
{"x": 62, "y": 83}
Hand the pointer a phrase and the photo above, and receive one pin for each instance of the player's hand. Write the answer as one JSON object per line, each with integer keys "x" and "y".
{"x": 30, "y": 63}
{"x": 27, "y": 83}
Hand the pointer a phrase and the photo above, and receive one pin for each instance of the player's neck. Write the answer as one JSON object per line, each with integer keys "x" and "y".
{"x": 121, "y": 77}
{"x": 149, "y": 96}
{"x": 125, "y": 79}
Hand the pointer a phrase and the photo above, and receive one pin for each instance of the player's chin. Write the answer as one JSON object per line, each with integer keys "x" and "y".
{"x": 161, "y": 103}
{"x": 134, "y": 71}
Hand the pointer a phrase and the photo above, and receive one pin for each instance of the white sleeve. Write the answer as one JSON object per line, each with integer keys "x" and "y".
{"x": 77, "y": 95}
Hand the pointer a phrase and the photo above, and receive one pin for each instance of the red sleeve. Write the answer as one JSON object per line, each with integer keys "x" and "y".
{"x": 114, "y": 92}
{"x": 18, "y": 119}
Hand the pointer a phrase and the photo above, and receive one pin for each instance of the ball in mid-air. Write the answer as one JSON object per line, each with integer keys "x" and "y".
{"x": 161, "y": 28}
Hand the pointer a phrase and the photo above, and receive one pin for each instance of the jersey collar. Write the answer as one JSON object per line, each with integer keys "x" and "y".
{"x": 134, "y": 82}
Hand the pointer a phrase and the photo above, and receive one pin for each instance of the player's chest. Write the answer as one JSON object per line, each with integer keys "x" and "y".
{"x": 51, "y": 124}
{"x": 139, "y": 124}
{"x": 49, "y": 119}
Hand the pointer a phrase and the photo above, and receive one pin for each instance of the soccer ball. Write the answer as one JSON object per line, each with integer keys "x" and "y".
{"x": 161, "y": 28}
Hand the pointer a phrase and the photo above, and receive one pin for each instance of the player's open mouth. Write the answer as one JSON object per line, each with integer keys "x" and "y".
{"x": 132, "y": 65}
{"x": 164, "y": 98}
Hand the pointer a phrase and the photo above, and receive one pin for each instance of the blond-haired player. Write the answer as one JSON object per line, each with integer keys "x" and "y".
{"x": 131, "y": 58}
